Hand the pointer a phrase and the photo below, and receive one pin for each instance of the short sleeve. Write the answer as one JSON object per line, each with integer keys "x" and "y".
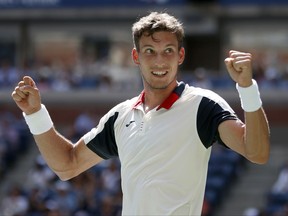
{"x": 101, "y": 139}
{"x": 210, "y": 115}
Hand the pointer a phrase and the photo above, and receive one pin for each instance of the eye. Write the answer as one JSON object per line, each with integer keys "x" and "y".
{"x": 149, "y": 51}
{"x": 168, "y": 50}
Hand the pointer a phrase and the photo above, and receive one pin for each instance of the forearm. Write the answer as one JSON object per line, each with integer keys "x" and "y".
{"x": 63, "y": 157}
{"x": 56, "y": 150}
{"x": 257, "y": 136}
{"x": 66, "y": 159}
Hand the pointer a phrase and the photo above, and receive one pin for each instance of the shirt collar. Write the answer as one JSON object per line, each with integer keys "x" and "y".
{"x": 168, "y": 102}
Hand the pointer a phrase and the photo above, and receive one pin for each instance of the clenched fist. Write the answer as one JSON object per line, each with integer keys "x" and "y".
{"x": 27, "y": 96}
{"x": 239, "y": 66}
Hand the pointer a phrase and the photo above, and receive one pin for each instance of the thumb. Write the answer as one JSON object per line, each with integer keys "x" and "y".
{"x": 229, "y": 64}
{"x": 29, "y": 85}
{"x": 29, "y": 81}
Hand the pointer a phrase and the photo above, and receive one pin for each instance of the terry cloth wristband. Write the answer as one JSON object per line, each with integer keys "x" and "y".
{"x": 39, "y": 122}
{"x": 249, "y": 97}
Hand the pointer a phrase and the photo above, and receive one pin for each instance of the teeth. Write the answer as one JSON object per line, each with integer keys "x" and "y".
{"x": 159, "y": 72}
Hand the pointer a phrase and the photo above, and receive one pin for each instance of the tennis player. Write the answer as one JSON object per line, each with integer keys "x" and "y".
{"x": 163, "y": 137}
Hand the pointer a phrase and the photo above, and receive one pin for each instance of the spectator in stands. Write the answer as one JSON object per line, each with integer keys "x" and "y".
{"x": 281, "y": 185}
{"x": 36, "y": 198}
{"x": 39, "y": 176}
{"x": 9, "y": 75}
{"x": 15, "y": 203}
{"x": 163, "y": 166}
{"x": 13, "y": 140}
{"x": 65, "y": 197}
{"x": 111, "y": 177}
{"x": 201, "y": 78}
{"x": 251, "y": 212}
{"x": 284, "y": 78}
{"x": 83, "y": 123}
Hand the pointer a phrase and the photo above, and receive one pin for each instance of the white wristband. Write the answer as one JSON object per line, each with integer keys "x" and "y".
{"x": 39, "y": 122}
{"x": 249, "y": 97}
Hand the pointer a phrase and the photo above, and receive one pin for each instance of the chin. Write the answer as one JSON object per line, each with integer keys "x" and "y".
{"x": 161, "y": 86}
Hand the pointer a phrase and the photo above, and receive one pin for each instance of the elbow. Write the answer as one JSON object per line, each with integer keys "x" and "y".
{"x": 259, "y": 158}
{"x": 261, "y": 154}
{"x": 65, "y": 175}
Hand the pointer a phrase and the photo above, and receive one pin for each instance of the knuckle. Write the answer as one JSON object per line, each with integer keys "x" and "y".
{"x": 21, "y": 83}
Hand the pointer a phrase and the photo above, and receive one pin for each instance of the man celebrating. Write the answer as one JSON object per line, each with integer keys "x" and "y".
{"x": 163, "y": 137}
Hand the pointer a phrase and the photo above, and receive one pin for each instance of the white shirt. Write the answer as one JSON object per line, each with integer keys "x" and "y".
{"x": 163, "y": 153}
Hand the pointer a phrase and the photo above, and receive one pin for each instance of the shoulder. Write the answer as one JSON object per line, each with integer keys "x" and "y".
{"x": 125, "y": 105}
{"x": 201, "y": 92}
{"x": 120, "y": 111}
{"x": 205, "y": 96}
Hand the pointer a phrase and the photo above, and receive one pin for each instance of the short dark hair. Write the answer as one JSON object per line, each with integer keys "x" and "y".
{"x": 155, "y": 22}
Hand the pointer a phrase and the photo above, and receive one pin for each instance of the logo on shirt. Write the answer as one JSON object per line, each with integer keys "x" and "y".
{"x": 127, "y": 125}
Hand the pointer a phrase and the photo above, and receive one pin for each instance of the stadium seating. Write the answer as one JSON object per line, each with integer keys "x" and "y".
{"x": 14, "y": 140}
{"x": 224, "y": 166}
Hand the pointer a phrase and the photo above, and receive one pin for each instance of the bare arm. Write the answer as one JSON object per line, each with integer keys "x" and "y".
{"x": 67, "y": 160}
{"x": 252, "y": 139}
{"x": 62, "y": 156}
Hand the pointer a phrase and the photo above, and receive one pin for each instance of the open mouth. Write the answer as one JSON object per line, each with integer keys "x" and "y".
{"x": 159, "y": 73}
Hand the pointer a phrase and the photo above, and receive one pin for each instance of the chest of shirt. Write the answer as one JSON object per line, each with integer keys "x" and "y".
{"x": 156, "y": 134}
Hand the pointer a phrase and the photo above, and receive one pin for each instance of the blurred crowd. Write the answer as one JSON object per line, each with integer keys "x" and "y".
{"x": 102, "y": 75}
{"x": 95, "y": 192}
{"x": 14, "y": 141}
{"x": 85, "y": 74}
{"x": 276, "y": 198}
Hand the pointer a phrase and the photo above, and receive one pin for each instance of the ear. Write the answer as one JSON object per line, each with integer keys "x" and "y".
{"x": 135, "y": 56}
{"x": 181, "y": 55}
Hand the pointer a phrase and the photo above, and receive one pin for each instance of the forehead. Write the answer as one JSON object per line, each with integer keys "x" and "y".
{"x": 158, "y": 38}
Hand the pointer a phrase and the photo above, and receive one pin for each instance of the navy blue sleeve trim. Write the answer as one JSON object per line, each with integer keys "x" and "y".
{"x": 104, "y": 143}
{"x": 210, "y": 115}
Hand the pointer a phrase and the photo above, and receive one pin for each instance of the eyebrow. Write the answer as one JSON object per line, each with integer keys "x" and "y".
{"x": 151, "y": 46}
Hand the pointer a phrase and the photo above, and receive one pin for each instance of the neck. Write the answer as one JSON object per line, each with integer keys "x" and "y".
{"x": 155, "y": 97}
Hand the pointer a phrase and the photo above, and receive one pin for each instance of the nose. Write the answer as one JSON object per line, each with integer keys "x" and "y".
{"x": 159, "y": 61}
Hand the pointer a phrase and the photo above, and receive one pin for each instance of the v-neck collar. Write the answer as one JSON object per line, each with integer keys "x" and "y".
{"x": 168, "y": 102}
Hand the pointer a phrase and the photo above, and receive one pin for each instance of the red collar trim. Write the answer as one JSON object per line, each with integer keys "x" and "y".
{"x": 169, "y": 101}
{"x": 141, "y": 100}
